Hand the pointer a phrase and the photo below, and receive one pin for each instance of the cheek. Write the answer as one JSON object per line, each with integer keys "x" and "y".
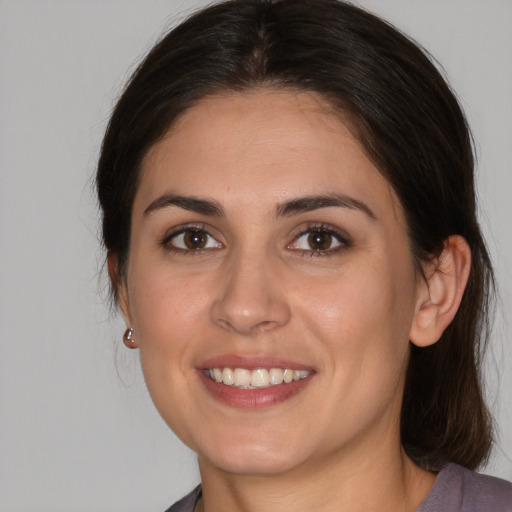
{"x": 162, "y": 301}
{"x": 363, "y": 319}
{"x": 169, "y": 315}
{"x": 370, "y": 298}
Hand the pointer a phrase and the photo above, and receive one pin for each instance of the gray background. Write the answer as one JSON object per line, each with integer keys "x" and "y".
{"x": 77, "y": 429}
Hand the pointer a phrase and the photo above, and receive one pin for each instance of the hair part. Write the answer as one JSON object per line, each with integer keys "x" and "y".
{"x": 406, "y": 118}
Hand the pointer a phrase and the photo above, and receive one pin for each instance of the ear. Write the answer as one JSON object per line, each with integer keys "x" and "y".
{"x": 119, "y": 285}
{"x": 439, "y": 295}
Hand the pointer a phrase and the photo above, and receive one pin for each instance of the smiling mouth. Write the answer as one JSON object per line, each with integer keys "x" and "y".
{"x": 243, "y": 378}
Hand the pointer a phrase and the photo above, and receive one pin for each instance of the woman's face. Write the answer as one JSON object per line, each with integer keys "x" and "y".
{"x": 265, "y": 246}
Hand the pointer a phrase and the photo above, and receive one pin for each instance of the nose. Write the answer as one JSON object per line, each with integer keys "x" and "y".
{"x": 252, "y": 297}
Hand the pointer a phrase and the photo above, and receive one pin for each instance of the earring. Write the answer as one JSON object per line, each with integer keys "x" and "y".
{"x": 128, "y": 338}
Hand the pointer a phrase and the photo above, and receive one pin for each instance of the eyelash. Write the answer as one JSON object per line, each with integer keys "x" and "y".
{"x": 198, "y": 228}
{"x": 338, "y": 236}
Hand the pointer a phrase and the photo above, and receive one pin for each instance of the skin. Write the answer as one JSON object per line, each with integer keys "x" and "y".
{"x": 259, "y": 289}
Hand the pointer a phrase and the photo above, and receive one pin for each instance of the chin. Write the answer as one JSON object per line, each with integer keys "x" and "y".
{"x": 250, "y": 463}
{"x": 256, "y": 458}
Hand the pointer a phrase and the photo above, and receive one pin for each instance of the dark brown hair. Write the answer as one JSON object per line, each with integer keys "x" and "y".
{"x": 409, "y": 123}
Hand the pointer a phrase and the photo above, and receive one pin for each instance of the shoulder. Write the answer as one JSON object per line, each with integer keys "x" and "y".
{"x": 458, "y": 489}
{"x": 187, "y": 503}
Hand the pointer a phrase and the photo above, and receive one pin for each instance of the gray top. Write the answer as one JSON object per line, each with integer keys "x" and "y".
{"x": 456, "y": 489}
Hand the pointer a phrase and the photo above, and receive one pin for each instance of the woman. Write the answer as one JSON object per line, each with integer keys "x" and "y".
{"x": 289, "y": 217}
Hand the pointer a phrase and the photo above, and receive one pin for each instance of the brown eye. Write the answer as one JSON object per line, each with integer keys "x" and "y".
{"x": 195, "y": 239}
{"x": 190, "y": 239}
{"x": 320, "y": 240}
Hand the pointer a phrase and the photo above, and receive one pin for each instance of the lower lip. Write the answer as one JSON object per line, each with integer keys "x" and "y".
{"x": 253, "y": 398}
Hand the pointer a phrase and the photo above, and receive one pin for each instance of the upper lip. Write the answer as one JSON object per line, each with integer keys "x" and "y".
{"x": 252, "y": 362}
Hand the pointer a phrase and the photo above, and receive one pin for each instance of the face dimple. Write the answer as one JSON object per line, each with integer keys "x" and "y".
{"x": 256, "y": 184}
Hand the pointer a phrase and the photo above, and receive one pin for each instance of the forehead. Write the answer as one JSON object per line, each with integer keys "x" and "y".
{"x": 265, "y": 145}
{"x": 276, "y": 121}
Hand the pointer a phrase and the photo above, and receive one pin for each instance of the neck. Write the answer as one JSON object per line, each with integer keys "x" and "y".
{"x": 378, "y": 481}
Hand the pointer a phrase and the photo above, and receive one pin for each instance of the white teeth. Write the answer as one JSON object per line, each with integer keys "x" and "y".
{"x": 288, "y": 375}
{"x": 276, "y": 376}
{"x": 259, "y": 378}
{"x": 228, "y": 376}
{"x": 300, "y": 374}
{"x": 242, "y": 377}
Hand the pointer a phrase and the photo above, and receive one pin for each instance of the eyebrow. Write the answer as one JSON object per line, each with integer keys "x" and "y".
{"x": 293, "y": 207}
{"x": 189, "y": 203}
{"x": 311, "y": 203}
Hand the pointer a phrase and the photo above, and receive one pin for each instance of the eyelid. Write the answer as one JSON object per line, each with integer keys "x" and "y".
{"x": 343, "y": 239}
{"x": 181, "y": 230}
{"x": 340, "y": 235}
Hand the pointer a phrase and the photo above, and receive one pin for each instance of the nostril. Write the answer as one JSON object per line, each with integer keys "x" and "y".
{"x": 249, "y": 300}
{"x": 250, "y": 322}
{"x": 264, "y": 326}
{"x": 247, "y": 328}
